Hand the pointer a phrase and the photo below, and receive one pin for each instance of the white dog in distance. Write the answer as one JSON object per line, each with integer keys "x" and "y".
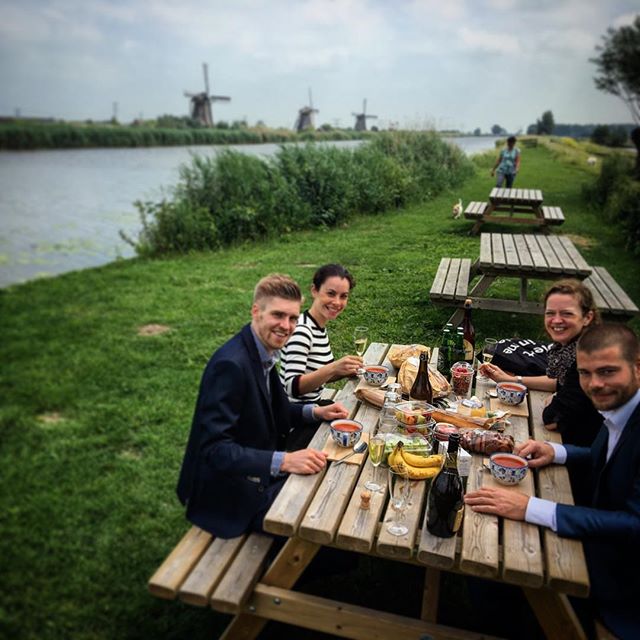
{"x": 457, "y": 209}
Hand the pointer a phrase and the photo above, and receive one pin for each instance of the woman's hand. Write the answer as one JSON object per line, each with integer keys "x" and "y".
{"x": 335, "y": 411}
{"x": 346, "y": 367}
{"x": 494, "y": 372}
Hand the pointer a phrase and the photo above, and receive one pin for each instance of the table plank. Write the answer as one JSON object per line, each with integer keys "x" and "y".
{"x": 497, "y": 249}
{"x": 581, "y": 264}
{"x": 539, "y": 261}
{"x": 568, "y": 266}
{"x": 546, "y": 248}
{"x": 510, "y": 251}
{"x": 524, "y": 255}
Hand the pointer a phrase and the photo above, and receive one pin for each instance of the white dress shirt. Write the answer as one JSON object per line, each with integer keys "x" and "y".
{"x": 543, "y": 512}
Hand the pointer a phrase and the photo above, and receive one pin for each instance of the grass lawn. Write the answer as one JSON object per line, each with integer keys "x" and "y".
{"x": 95, "y": 417}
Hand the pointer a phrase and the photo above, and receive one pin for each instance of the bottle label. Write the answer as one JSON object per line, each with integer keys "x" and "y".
{"x": 458, "y": 521}
{"x": 468, "y": 350}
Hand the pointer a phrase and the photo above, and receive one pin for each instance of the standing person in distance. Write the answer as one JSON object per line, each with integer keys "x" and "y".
{"x": 306, "y": 362}
{"x": 507, "y": 163}
{"x": 236, "y": 458}
{"x": 609, "y": 366}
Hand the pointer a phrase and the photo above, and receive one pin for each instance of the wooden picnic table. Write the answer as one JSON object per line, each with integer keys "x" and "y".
{"x": 319, "y": 510}
{"x": 522, "y": 256}
{"x": 517, "y": 206}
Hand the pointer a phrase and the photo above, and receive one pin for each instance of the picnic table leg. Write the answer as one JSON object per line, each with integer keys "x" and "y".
{"x": 523, "y": 289}
{"x": 430, "y": 595}
{"x": 284, "y": 572}
{"x": 555, "y": 614}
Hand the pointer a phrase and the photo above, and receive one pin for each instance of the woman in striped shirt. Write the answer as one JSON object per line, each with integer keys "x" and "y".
{"x": 306, "y": 361}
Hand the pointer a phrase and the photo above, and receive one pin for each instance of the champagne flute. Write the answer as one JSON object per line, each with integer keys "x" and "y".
{"x": 489, "y": 350}
{"x": 376, "y": 453}
{"x": 399, "y": 490}
{"x": 361, "y": 339}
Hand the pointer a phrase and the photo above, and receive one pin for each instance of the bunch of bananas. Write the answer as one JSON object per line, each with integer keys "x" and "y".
{"x": 415, "y": 466}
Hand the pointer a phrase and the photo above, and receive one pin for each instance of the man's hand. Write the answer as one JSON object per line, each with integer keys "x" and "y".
{"x": 334, "y": 411}
{"x": 499, "y": 502}
{"x": 541, "y": 453}
{"x": 305, "y": 461}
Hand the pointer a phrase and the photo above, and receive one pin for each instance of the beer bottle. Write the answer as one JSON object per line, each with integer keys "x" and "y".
{"x": 445, "y": 503}
{"x": 469, "y": 333}
{"x": 421, "y": 388}
{"x": 444, "y": 355}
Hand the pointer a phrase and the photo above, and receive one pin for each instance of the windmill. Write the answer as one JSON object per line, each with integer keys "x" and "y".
{"x": 361, "y": 118}
{"x": 201, "y": 102}
{"x": 305, "y": 117}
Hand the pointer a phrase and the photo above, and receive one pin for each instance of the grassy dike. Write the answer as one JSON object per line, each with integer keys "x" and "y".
{"x": 95, "y": 417}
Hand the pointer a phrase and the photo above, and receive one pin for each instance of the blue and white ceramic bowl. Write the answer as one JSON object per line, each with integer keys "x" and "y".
{"x": 345, "y": 432}
{"x": 511, "y": 392}
{"x": 376, "y": 374}
{"x": 508, "y": 468}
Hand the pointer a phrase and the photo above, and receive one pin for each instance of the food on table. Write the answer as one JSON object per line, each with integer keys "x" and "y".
{"x": 443, "y": 430}
{"x": 398, "y": 353}
{"x": 402, "y": 460}
{"x": 418, "y": 445}
{"x": 414, "y": 412}
{"x": 461, "y": 377}
{"x": 472, "y": 407}
{"x": 486, "y": 442}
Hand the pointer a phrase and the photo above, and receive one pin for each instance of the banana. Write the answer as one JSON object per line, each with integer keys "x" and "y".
{"x": 421, "y": 473}
{"x": 395, "y": 457}
{"x": 421, "y": 461}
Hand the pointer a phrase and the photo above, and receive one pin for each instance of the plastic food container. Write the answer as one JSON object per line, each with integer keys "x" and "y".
{"x": 414, "y": 413}
{"x": 461, "y": 377}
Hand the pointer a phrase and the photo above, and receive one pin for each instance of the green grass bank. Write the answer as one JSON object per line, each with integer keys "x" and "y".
{"x": 95, "y": 416}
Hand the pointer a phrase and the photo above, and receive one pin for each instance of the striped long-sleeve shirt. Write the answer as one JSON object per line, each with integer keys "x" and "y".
{"x": 306, "y": 351}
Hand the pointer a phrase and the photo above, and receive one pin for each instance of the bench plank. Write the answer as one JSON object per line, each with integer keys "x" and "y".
{"x": 166, "y": 581}
{"x": 206, "y": 575}
{"x": 553, "y": 215}
{"x": 242, "y": 575}
{"x": 618, "y": 301}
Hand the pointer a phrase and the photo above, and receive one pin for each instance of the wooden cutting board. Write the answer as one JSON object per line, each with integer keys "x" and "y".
{"x": 521, "y": 409}
{"x": 335, "y": 452}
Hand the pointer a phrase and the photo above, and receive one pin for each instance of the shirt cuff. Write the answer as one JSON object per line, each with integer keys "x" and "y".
{"x": 307, "y": 413}
{"x": 560, "y": 453}
{"x": 541, "y": 512}
{"x": 276, "y": 463}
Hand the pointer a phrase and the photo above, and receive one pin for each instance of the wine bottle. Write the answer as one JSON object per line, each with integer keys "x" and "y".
{"x": 421, "y": 388}
{"x": 458, "y": 346}
{"x": 445, "y": 504}
{"x": 443, "y": 352}
{"x": 469, "y": 333}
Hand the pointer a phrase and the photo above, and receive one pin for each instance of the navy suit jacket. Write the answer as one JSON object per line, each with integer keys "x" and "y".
{"x": 225, "y": 478}
{"x": 610, "y": 527}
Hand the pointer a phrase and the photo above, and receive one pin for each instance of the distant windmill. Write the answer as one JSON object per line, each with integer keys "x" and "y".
{"x": 305, "y": 116}
{"x": 361, "y": 118}
{"x": 201, "y": 102}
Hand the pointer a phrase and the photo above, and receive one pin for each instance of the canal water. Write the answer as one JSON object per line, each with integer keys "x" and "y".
{"x": 62, "y": 210}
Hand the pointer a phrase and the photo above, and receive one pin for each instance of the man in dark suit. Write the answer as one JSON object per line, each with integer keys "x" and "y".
{"x": 235, "y": 462}
{"x": 608, "y": 359}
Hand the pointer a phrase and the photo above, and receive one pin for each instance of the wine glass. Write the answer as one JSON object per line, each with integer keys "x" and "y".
{"x": 376, "y": 453}
{"x": 399, "y": 490}
{"x": 489, "y": 350}
{"x": 361, "y": 339}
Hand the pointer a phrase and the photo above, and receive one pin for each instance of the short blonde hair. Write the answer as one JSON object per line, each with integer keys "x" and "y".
{"x": 277, "y": 285}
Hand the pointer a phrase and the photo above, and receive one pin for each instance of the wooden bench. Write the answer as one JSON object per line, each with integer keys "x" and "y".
{"x": 475, "y": 210}
{"x": 553, "y": 215}
{"x": 203, "y": 570}
{"x": 609, "y": 296}
{"x": 451, "y": 283}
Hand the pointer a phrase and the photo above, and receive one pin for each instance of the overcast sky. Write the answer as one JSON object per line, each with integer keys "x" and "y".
{"x": 445, "y": 63}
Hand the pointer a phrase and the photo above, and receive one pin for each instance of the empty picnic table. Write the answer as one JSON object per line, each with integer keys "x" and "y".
{"x": 517, "y": 206}
{"x": 322, "y": 510}
{"x": 521, "y": 256}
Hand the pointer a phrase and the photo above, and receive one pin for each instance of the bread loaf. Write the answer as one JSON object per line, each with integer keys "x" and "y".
{"x": 398, "y": 353}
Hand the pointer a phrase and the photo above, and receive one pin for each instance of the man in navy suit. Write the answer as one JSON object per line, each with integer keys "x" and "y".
{"x": 236, "y": 459}
{"x": 608, "y": 359}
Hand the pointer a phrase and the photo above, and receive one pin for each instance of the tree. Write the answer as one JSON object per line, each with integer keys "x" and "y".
{"x": 497, "y": 130}
{"x": 477, "y": 131}
{"x": 618, "y": 65}
{"x": 546, "y": 124}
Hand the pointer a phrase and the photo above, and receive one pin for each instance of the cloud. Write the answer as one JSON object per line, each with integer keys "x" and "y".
{"x": 489, "y": 42}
